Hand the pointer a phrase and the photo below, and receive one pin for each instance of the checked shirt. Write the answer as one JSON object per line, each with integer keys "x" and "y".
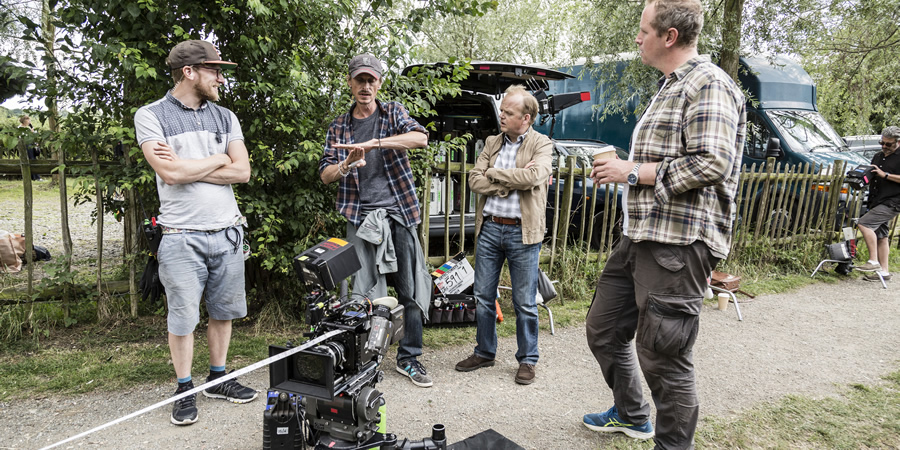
{"x": 695, "y": 131}
{"x": 393, "y": 120}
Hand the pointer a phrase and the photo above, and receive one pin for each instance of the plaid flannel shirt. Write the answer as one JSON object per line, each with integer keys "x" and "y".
{"x": 394, "y": 120}
{"x": 695, "y": 131}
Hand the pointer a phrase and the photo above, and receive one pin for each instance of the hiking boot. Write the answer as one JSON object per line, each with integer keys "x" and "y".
{"x": 473, "y": 362}
{"x": 868, "y": 267}
{"x": 874, "y": 277}
{"x": 609, "y": 422}
{"x": 232, "y": 391}
{"x": 184, "y": 411}
{"x": 525, "y": 374}
{"x": 415, "y": 371}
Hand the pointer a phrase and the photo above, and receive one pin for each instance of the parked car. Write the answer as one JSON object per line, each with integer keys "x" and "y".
{"x": 582, "y": 191}
{"x": 475, "y": 111}
{"x": 866, "y": 145}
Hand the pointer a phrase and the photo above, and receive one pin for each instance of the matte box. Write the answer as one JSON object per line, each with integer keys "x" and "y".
{"x": 327, "y": 263}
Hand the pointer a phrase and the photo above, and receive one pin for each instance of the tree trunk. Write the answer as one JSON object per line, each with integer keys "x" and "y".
{"x": 729, "y": 59}
{"x": 49, "y": 42}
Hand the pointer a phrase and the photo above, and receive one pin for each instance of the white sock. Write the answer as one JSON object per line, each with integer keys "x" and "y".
{"x": 883, "y": 273}
{"x": 874, "y": 262}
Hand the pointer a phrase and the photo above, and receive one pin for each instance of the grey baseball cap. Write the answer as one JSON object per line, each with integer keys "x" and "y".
{"x": 365, "y": 63}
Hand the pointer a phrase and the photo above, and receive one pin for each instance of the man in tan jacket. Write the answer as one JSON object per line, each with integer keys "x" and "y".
{"x": 511, "y": 177}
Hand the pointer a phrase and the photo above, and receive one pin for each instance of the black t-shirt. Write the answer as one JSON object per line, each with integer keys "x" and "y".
{"x": 883, "y": 191}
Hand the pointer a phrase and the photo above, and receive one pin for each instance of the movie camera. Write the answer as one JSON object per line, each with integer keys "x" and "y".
{"x": 324, "y": 395}
{"x": 860, "y": 176}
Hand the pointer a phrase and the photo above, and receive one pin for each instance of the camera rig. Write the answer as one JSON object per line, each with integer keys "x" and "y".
{"x": 325, "y": 396}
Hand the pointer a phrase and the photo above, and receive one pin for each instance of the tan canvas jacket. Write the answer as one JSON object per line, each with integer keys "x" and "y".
{"x": 531, "y": 183}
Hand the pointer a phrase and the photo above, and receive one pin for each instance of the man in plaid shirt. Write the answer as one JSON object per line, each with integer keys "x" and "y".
{"x": 366, "y": 151}
{"x": 681, "y": 181}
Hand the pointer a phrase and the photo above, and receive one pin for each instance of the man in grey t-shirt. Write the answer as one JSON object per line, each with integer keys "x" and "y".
{"x": 197, "y": 150}
{"x": 366, "y": 153}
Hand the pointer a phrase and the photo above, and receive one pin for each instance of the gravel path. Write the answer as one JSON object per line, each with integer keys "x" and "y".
{"x": 811, "y": 342}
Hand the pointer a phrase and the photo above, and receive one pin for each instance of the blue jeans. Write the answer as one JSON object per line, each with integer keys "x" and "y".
{"x": 498, "y": 243}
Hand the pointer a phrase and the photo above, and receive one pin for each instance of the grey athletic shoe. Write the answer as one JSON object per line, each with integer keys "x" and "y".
{"x": 415, "y": 371}
{"x": 184, "y": 411}
{"x": 232, "y": 391}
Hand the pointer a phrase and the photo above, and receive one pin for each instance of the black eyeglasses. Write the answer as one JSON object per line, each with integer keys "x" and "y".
{"x": 217, "y": 70}
{"x": 887, "y": 144}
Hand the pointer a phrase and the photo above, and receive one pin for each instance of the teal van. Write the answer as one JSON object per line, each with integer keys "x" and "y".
{"x": 782, "y": 117}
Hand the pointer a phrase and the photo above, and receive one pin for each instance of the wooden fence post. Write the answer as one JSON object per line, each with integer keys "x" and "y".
{"x": 29, "y": 220}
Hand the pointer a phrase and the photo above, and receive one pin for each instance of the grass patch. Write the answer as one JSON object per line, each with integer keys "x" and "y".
{"x": 860, "y": 417}
{"x": 111, "y": 357}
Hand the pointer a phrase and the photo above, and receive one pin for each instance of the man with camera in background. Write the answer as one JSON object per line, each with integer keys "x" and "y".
{"x": 197, "y": 150}
{"x": 679, "y": 204}
{"x": 884, "y": 205}
{"x": 366, "y": 151}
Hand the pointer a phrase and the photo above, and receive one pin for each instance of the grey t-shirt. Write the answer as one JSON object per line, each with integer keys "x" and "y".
{"x": 192, "y": 134}
{"x": 374, "y": 190}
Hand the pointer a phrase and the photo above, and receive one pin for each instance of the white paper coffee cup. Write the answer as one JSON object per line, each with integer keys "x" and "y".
{"x": 608, "y": 152}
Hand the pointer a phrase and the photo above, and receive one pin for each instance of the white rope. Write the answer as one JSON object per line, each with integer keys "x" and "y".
{"x": 206, "y": 385}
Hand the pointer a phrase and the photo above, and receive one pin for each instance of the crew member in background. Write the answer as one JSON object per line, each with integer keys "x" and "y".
{"x": 884, "y": 205}
{"x": 197, "y": 150}
{"x": 366, "y": 151}
{"x": 681, "y": 179}
{"x": 511, "y": 177}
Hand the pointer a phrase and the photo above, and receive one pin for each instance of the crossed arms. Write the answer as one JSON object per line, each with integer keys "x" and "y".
{"x": 225, "y": 168}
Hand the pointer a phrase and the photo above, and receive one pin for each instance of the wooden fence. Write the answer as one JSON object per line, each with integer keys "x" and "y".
{"x": 776, "y": 206}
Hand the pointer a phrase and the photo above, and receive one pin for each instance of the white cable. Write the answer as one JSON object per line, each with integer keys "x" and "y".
{"x": 206, "y": 385}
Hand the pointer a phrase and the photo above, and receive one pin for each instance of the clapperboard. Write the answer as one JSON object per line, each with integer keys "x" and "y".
{"x": 454, "y": 276}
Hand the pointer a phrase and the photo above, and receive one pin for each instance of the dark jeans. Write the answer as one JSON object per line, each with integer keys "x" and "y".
{"x": 403, "y": 281}
{"x": 498, "y": 243}
{"x": 653, "y": 293}
{"x": 32, "y": 156}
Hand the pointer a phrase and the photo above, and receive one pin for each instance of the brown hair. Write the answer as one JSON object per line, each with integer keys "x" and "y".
{"x": 23, "y": 119}
{"x": 178, "y": 74}
{"x": 529, "y": 103}
{"x": 686, "y": 16}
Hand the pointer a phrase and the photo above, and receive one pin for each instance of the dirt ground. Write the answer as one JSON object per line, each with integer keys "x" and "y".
{"x": 811, "y": 342}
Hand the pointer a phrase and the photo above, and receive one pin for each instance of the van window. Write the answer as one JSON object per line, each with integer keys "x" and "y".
{"x": 806, "y": 131}
{"x": 757, "y": 136}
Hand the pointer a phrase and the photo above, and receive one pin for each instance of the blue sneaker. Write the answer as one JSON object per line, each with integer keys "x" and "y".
{"x": 609, "y": 422}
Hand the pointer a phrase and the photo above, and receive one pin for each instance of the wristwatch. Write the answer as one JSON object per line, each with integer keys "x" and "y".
{"x": 633, "y": 175}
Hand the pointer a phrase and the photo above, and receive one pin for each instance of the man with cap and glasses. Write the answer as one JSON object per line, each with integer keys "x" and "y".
{"x": 884, "y": 205}
{"x": 197, "y": 150}
{"x": 366, "y": 151}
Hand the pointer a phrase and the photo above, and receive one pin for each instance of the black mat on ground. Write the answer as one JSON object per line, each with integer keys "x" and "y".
{"x": 486, "y": 439}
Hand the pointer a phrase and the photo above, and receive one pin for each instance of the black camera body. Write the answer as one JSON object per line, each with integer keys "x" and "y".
{"x": 330, "y": 386}
{"x": 860, "y": 176}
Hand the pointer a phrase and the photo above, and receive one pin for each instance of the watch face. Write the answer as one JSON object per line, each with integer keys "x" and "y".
{"x": 632, "y": 179}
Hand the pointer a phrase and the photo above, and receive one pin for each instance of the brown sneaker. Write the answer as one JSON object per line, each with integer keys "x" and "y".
{"x": 473, "y": 362}
{"x": 874, "y": 277}
{"x": 525, "y": 374}
{"x": 868, "y": 267}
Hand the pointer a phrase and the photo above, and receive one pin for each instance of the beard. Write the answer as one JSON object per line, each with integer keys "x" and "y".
{"x": 207, "y": 92}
